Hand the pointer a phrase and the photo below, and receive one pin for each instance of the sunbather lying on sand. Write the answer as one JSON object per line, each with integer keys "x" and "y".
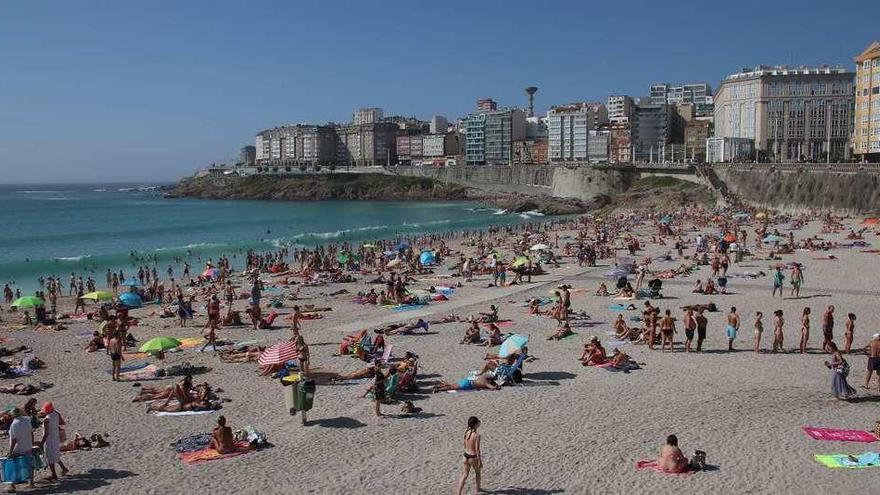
{"x": 405, "y": 329}
{"x": 247, "y": 354}
{"x": 8, "y": 352}
{"x": 21, "y": 389}
{"x": 79, "y": 442}
{"x": 169, "y": 406}
{"x": 450, "y": 318}
{"x": 182, "y": 391}
{"x": 481, "y": 382}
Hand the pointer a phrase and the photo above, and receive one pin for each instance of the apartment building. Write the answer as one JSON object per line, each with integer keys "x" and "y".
{"x": 866, "y": 132}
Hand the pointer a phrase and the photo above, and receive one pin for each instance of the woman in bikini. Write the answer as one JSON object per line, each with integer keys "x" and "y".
{"x": 805, "y": 330}
{"x": 759, "y": 330}
{"x": 778, "y": 321}
{"x": 472, "y": 455}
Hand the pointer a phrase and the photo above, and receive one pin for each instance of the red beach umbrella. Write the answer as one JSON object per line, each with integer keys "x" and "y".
{"x": 279, "y": 353}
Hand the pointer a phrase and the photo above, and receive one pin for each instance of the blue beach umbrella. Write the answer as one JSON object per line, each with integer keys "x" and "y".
{"x": 403, "y": 246}
{"x": 512, "y": 345}
{"x": 131, "y": 300}
{"x": 427, "y": 258}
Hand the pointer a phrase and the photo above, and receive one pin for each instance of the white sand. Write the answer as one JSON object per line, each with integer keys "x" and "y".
{"x": 568, "y": 430}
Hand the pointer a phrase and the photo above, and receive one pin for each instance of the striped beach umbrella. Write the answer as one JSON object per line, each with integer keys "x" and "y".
{"x": 278, "y": 354}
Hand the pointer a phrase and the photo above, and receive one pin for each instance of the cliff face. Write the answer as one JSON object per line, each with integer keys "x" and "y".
{"x": 342, "y": 186}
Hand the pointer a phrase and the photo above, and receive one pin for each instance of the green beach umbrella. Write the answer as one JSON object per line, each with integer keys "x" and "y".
{"x": 520, "y": 261}
{"x": 28, "y": 302}
{"x": 342, "y": 258}
{"x": 100, "y": 295}
{"x": 160, "y": 344}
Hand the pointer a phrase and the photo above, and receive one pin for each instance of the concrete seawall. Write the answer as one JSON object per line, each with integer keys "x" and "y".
{"x": 843, "y": 187}
{"x": 584, "y": 183}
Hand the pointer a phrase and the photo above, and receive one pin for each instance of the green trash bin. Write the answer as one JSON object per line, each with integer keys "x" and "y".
{"x": 305, "y": 395}
{"x": 290, "y": 397}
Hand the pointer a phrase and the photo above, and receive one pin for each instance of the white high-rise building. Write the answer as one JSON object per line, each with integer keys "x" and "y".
{"x": 620, "y": 109}
{"x": 367, "y": 116}
{"x": 568, "y": 127}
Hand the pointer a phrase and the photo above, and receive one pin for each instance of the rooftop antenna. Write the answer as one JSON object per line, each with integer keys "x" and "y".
{"x": 531, "y": 90}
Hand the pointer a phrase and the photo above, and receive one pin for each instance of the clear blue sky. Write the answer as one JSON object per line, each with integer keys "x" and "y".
{"x": 124, "y": 90}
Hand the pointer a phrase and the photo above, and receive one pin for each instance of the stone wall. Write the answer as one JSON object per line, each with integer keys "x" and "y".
{"x": 584, "y": 183}
{"x": 842, "y": 187}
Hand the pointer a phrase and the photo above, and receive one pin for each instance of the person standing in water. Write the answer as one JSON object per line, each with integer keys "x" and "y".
{"x": 472, "y": 456}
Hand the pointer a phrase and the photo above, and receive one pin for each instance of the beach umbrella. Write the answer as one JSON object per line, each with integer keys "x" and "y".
{"x": 28, "y": 302}
{"x": 160, "y": 344}
{"x": 540, "y": 247}
{"x": 871, "y": 221}
{"x": 427, "y": 258}
{"x": 666, "y": 220}
{"x": 131, "y": 300}
{"x": 519, "y": 261}
{"x": 132, "y": 282}
{"x": 512, "y": 345}
{"x": 403, "y": 246}
{"x": 211, "y": 273}
{"x": 100, "y": 295}
{"x": 770, "y": 239}
{"x": 342, "y": 257}
{"x": 279, "y": 353}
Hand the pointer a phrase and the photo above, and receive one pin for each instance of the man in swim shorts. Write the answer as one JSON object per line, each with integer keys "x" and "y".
{"x": 732, "y": 327}
{"x": 873, "y": 360}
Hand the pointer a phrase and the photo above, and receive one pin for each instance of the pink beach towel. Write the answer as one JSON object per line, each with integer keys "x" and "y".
{"x": 836, "y": 435}
{"x": 652, "y": 465}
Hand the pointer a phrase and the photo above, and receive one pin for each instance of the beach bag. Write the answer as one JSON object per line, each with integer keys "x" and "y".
{"x": 17, "y": 469}
{"x": 698, "y": 461}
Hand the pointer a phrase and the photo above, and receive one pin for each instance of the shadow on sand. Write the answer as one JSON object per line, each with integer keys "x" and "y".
{"x": 79, "y": 482}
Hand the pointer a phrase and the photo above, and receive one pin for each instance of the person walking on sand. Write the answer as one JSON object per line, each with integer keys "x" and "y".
{"x": 805, "y": 330}
{"x": 778, "y": 321}
{"x": 690, "y": 325}
{"x": 732, "y": 328}
{"x": 848, "y": 332}
{"x": 778, "y": 278}
{"x": 21, "y": 443}
{"x": 827, "y": 328}
{"x": 797, "y": 278}
{"x": 114, "y": 349}
{"x": 472, "y": 456}
{"x": 702, "y": 323}
{"x": 759, "y": 330}
{"x": 51, "y": 441}
{"x": 873, "y": 360}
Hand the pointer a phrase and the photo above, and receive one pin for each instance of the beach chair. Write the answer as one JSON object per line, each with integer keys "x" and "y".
{"x": 391, "y": 386}
{"x": 655, "y": 288}
{"x": 507, "y": 374}
{"x": 385, "y": 355}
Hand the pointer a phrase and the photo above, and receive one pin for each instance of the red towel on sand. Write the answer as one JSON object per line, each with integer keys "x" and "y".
{"x": 209, "y": 454}
{"x": 836, "y": 435}
{"x": 652, "y": 465}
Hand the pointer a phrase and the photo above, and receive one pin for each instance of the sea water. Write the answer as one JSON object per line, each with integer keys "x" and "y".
{"x": 87, "y": 229}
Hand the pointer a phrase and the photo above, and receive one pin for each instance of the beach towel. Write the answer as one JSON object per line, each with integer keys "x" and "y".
{"x": 837, "y": 435}
{"x": 131, "y": 367}
{"x": 209, "y": 454}
{"x": 626, "y": 368}
{"x": 182, "y": 413}
{"x": 652, "y": 465}
{"x": 617, "y": 307}
{"x": 192, "y": 443}
{"x": 850, "y": 461}
{"x": 406, "y": 307}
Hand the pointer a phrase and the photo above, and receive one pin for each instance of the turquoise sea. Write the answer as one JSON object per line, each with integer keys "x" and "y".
{"x": 86, "y": 229}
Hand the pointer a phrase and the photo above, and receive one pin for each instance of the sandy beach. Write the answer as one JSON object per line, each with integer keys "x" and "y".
{"x": 566, "y": 429}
